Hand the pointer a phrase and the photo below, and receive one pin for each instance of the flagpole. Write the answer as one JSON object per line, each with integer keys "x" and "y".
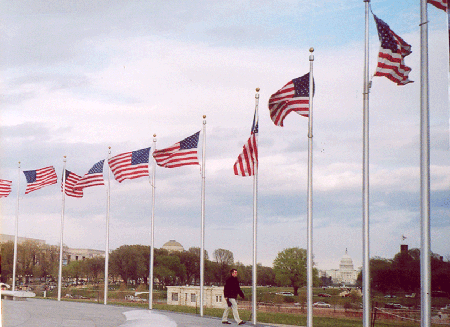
{"x": 202, "y": 249}
{"x": 62, "y": 229}
{"x": 16, "y": 233}
{"x": 425, "y": 260}
{"x": 309, "y": 261}
{"x": 255, "y": 217}
{"x": 107, "y": 233}
{"x": 365, "y": 187}
{"x": 152, "y": 232}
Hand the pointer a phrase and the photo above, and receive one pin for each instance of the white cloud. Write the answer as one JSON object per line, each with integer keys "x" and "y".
{"x": 116, "y": 83}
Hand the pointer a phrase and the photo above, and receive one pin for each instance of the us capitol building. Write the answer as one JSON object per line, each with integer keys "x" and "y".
{"x": 346, "y": 274}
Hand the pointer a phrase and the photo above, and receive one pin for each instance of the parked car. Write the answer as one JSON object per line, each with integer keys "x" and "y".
{"x": 447, "y": 307}
{"x": 393, "y": 306}
{"x": 321, "y": 305}
{"x": 389, "y": 296}
{"x": 285, "y": 293}
{"x": 324, "y": 295}
{"x": 134, "y": 298}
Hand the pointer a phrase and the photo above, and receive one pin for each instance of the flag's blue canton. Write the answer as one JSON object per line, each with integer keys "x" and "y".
{"x": 30, "y": 176}
{"x": 140, "y": 156}
{"x": 190, "y": 142}
{"x": 255, "y": 129}
{"x": 67, "y": 174}
{"x": 301, "y": 85}
{"x": 97, "y": 168}
{"x": 387, "y": 40}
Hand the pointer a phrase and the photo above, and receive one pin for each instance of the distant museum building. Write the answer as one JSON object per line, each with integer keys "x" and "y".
{"x": 346, "y": 274}
{"x": 173, "y": 246}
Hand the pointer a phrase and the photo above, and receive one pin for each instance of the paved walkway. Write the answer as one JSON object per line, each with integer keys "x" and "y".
{"x": 50, "y": 313}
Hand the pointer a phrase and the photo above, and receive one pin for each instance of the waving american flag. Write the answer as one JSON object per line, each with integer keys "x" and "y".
{"x": 39, "y": 178}
{"x": 130, "y": 165}
{"x": 5, "y": 188}
{"x": 294, "y": 96}
{"x": 393, "y": 51}
{"x": 247, "y": 162}
{"x": 183, "y": 153}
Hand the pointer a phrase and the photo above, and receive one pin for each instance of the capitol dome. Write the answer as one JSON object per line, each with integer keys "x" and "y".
{"x": 346, "y": 262}
{"x": 172, "y": 246}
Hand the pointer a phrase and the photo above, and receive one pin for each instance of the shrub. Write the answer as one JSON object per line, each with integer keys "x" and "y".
{"x": 289, "y": 299}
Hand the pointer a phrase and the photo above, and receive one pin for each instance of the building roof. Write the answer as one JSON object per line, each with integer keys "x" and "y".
{"x": 346, "y": 262}
{"x": 173, "y": 245}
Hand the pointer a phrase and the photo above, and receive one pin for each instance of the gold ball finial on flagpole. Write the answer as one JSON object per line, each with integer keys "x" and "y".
{"x": 311, "y": 49}
{"x": 204, "y": 116}
{"x": 257, "y": 89}
{"x": 154, "y": 135}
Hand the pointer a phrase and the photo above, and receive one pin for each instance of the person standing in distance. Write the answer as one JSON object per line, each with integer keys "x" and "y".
{"x": 230, "y": 292}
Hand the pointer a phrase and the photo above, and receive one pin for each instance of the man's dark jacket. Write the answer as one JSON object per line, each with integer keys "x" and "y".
{"x": 232, "y": 289}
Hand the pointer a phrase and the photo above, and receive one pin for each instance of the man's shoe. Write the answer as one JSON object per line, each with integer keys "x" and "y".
{"x": 226, "y": 322}
{"x": 242, "y": 322}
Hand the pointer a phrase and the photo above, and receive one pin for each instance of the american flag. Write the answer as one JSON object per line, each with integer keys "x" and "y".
{"x": 393, "y": 51}
{"x": 130, "y": 165}
{"x": 5, "y": 188}
{"x": 441, "y": 4}
{"x": 183, "y": 153}
{"x": 71, "y": 180}
{"x": 39, "y": 178}
{"x": 94, "y": 177}
{"x": 247, "y": 162}
{"x": 294, "y": 96}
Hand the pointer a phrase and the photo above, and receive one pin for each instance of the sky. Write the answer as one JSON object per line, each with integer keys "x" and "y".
{"x": 78, "y": 77}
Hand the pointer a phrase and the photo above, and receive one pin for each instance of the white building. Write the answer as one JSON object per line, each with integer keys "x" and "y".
{"x": 190, "y": 296}
{"x": 346, "y": 274}
{"x": 81, "y": 254}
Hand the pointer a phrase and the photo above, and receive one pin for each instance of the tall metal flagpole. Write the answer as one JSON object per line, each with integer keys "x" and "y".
{"x": 108, "y": 204}
{"x": 425, "y": 260}
{"x": 255, "y": 217}
{"x": 202, "y": 249}
{"x": 309, "y": 256}
{"x": 152, "y": 232}
{"x": 62, "y": 229}
{"x": 365, "y": 186}
{"x": 16, "y": 232}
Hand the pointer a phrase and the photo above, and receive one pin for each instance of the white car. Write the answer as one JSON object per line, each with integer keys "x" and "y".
{"x": 285, "y": 293}
{"x": 321, "y": 305}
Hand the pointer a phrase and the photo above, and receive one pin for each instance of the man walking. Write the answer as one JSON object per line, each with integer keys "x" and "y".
{"x": 230, "y": 292}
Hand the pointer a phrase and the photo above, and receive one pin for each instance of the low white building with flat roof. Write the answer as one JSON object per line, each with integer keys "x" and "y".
{"x": 190, "y": 296}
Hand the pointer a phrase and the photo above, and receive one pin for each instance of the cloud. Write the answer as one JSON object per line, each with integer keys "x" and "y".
{"x": 79, "y": 78}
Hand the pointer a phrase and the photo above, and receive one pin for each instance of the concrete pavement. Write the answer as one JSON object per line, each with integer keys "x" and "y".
{"x": 50, "y": 313}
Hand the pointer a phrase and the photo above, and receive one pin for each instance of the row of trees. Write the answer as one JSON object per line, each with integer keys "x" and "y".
{"x": 129, "y": 263}
{"x": 402, "y": 273}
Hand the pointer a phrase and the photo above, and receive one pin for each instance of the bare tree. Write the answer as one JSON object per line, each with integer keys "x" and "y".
{"x": 224, "y": 259}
